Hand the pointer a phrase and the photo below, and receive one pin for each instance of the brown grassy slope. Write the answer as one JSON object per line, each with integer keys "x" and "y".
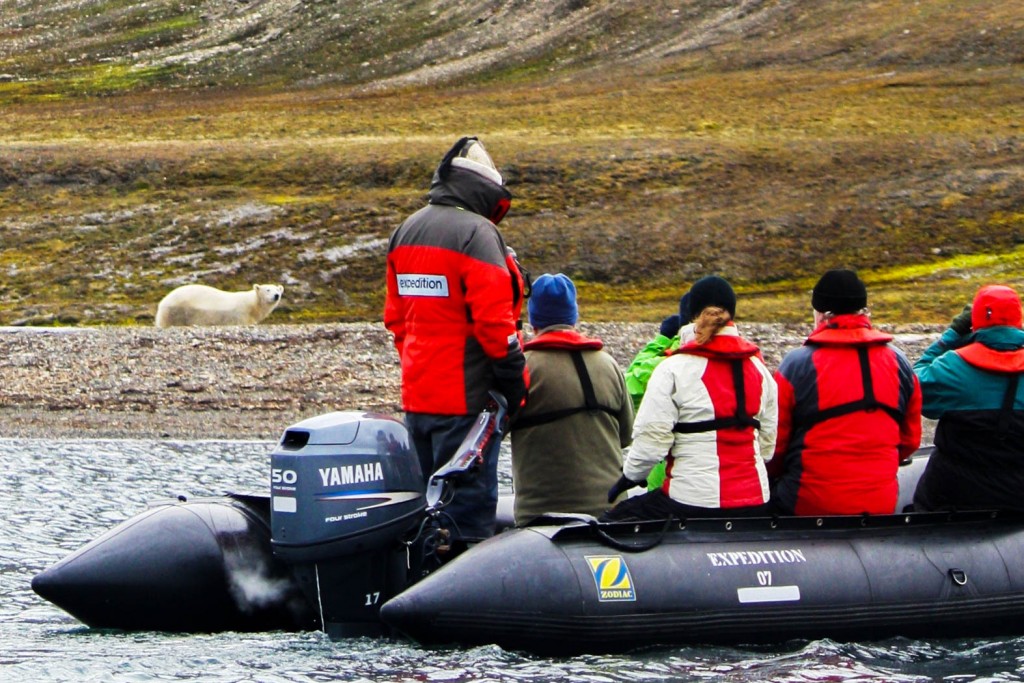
{"x": 763, "y": 140}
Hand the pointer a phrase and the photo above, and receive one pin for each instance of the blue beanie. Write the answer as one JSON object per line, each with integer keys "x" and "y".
{"x": 552, "y": 301}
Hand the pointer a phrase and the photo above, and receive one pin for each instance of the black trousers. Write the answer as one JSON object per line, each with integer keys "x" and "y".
{"x": 656, "y": 505}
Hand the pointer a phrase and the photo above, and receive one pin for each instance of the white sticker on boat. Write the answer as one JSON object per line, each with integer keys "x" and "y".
{"x": 768, "y": 594}
{"x": 284, "y": 504}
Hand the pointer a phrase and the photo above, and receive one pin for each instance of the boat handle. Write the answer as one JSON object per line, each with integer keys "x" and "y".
{"x": 959, "y": 576}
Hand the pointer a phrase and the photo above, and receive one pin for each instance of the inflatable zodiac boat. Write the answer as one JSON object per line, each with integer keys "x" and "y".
{"x": 349, "y": 541}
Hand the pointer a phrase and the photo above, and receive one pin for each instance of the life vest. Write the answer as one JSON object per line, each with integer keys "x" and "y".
{"x": 736, "y": 350}
{"x": 993, "y": 360}
{"x": 844, "y": 331}
{"x": 574, "y": 343}
{"x": 521, "y": 285}
{"x": 867, "y": 403}
{"x": 741, "y": 419}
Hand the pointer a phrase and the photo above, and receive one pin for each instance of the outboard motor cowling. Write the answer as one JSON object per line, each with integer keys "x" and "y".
{"x": 346, "y": 488}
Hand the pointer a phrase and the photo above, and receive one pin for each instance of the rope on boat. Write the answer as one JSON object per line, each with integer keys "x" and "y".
{"x": 612, "y": 542}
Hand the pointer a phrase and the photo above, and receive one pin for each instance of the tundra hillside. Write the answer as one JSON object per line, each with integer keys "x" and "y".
{"x": 229, "y": 142}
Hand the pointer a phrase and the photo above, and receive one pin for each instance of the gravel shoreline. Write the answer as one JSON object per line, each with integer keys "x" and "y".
{"x": 247, "y": 383}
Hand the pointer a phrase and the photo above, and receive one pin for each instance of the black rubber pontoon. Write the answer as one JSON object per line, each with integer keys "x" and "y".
{"x": 580, "y": 588}
{"x": 349, "y": 542}
{"x": 198, "y": 566}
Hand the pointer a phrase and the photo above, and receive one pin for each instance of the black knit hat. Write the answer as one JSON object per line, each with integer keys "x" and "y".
{"x": 712, "y": 290}
{"x": 839, "y": 291}
{"x": 684, "y": 309}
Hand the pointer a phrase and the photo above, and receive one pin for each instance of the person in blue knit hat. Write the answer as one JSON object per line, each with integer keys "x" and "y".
{"x": 567, "y": 441}
{"x": 552, "y": 302}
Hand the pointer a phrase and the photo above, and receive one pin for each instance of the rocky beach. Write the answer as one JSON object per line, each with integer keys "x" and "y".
{"x": 248, "y": 382}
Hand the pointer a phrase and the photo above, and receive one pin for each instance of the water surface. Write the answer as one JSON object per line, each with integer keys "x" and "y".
{"x": 60, "y": 495}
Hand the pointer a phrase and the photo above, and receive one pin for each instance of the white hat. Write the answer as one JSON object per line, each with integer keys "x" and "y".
{"x": 473, "y": 157}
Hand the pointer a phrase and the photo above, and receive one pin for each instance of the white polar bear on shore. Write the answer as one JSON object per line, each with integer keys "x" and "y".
{"x": 203, "y": 305}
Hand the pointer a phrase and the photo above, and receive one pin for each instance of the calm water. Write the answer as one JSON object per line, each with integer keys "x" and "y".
{"x": 58, "y": 496}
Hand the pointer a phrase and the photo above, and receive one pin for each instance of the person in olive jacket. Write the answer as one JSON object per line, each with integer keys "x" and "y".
{"x": 567, "y": 441}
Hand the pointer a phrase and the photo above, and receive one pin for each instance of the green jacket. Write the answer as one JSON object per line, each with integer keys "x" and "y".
{"x": 639, "y": 371}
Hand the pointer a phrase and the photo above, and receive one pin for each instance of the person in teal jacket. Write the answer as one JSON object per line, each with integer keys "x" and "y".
{"x": 970, "y": 383}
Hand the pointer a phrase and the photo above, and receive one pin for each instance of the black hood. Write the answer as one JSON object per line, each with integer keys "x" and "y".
{"x": 462, "y": 187}
{"x": 466, "y": 177}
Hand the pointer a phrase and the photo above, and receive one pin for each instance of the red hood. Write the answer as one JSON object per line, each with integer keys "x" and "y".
{"x": 847, "y": 329}
{"x": 995, "y": 305}
{"x": 563, "y": 339}
{"x": 726, "y": 344}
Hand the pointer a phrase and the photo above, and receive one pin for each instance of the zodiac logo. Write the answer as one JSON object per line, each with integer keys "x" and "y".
{"x": 612, "y": 578}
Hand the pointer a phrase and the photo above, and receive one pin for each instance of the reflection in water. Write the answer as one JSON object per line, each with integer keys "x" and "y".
{"x": 59, "y": 496}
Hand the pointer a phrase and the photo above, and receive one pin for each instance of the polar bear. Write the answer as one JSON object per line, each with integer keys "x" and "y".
{"x": 203, "y": 305}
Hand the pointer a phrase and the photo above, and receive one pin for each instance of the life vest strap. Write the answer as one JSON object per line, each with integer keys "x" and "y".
{"x": 1006, "y": 411}
{"x": 590, "y": 401}
{"x": 741, "y": 419}
{"x": 868, "y": 403}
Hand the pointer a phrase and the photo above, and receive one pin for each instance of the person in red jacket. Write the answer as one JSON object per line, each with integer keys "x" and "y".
{"x": 453, "y": 301}
{"x": 849, "y": 410}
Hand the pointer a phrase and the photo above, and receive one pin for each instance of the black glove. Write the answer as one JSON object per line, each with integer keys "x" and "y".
{"x": 510, "y": 376}
{"x": 514, "y": 393}
{"x": 961, "y": 324}
{"x": 623, "y": 484}
{"x": 670, "y": 326}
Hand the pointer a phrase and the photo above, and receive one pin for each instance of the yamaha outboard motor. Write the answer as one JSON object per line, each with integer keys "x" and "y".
{"x": 347, "y": 526}
{"x": 346, "y": 490}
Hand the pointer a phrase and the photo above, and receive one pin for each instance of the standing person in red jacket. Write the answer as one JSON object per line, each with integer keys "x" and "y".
{"x": 849, "y": 410}
{"x": 454, "y": 297}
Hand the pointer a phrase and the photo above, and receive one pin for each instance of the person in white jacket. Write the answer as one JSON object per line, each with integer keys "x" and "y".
{"x": 712, "y": 407}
